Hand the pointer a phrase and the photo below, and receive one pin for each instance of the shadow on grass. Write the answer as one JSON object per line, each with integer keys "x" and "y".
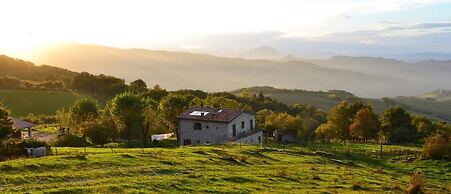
{"x": 258, "y": 154}
{"x": 237, "y": 179}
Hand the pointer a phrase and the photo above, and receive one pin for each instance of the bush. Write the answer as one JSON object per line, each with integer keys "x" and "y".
{"x": 437, "y": 147}
{"x": 11, "y": 148}
{"x": 15, "y": 148}
{"x": 98, "y": 134}
{"x": 416, "y": 184}
{"x": 70, "y": 140}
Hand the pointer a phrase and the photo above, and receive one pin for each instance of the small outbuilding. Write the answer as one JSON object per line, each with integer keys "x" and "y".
{"x": 21, "y": 124}
{"x": 285, "y": 136}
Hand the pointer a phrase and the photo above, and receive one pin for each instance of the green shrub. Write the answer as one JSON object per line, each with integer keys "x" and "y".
{"x": 11, "y": 148}
{"x": 70, "y": 140}
{"x": 437, "y": 147}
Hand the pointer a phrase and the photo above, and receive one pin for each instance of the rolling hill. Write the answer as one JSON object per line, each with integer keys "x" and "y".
{"x": 424, "y": 75}
{"x": 23, "y": 102}
{"x": 27, "y": 70}
{"x": 325, "y": 100}
{"x": 176, "y": 70}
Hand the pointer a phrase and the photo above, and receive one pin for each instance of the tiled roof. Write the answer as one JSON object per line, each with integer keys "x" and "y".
{"x": 211, "y": 114}
{"x": 20, "y": 124}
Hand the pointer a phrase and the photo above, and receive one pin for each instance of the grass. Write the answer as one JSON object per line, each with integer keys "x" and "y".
{"x": 224, "y": 169}
{"x": 23, "y": 102}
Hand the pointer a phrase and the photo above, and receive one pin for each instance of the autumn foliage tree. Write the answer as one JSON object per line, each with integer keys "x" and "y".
{"x": 365, "y": 125}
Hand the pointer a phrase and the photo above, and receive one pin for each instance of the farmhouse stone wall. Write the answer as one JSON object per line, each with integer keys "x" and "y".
{"x": 210, "y": 133}
{"x": 243, "y": 117}
{"x": 214, "y": 132}
{"x": 256, "y": 138}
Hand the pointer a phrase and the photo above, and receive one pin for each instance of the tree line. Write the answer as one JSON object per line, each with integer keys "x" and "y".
{"x": 139, "y": 112}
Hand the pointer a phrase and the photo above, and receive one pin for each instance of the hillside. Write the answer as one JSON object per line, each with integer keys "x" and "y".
{"x": 438, "y": 95}
{"x": 264, "y": 52}
{"x": 176, "y": 70}
{"x": 26, "y": 70}
{"x": 438, "y": 110}
{"x": 224, "y": 169}
{"x": 24, "y": 102}
{"x": 424, "y": 75}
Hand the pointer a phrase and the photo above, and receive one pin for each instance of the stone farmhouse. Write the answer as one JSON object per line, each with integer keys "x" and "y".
{"x": 217, "y": 126}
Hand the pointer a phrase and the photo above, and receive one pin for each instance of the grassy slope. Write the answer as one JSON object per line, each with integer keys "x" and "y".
{"x": 23, "y": 102}
{"x": 222, "y": 169}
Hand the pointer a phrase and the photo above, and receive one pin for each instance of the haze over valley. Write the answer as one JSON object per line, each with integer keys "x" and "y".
{"x": 363, "y": 76}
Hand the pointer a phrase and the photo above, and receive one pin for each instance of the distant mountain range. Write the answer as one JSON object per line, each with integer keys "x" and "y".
{"x": 364, "y": 76}
{"x": 415, "y": 57}
{"x": 267, "y": 52}
{"x": 264, "y": 52}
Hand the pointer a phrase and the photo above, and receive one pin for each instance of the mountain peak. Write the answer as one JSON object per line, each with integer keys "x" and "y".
{"x": 263, "y": 52}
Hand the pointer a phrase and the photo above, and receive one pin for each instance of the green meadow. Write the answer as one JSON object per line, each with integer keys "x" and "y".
{"x": 23, "y": 102}
{"x": 226, "y": 169}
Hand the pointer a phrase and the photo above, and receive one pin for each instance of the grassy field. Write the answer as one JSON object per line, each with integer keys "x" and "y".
{"x": 23, "y": 102}
{"x": 224, "y": 169}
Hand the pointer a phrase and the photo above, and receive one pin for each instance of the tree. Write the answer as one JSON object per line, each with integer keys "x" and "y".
{"x": 138, "y": 86}
{"x": 424, "y": 126}
{"x": 365, "y": 125}
{"x": 171, "y": 107}
{"x": 152, "y": 120}
{"x": 127, "y": 112}
{"x": 83, "y": 110}
{"x": 6, "y": 125}
{"x": 156, "y": 94}
{"x": 245, "y": 94}
{"x": 222, "y": 102}
{"x": 437, "y": 147}
{"x": 286, "y": 122}
{"x": 98, "y": 133}
{"x": 326, "y": 131}
{"x": 442, "y": 128}
{"x": 396, "y": 125}
{"x": 338, "y": 122}
{"x": 260, "y": 117}
{"x": 63, "y": 118}
{"x": 260, "y": 96}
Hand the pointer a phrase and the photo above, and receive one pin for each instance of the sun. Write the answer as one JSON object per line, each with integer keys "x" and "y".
{"x": 20, "y": 45}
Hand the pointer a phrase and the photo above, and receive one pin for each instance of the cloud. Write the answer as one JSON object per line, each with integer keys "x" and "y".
{"x": 433, "y": 25}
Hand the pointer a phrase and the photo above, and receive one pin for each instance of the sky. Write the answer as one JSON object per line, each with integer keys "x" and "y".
{"x": 228, "y": 27}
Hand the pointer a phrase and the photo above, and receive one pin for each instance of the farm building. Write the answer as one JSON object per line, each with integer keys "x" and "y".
{"x": 285, "y": 136}
{"x": 21, "y": 124}
{"x": 217, "y": 126}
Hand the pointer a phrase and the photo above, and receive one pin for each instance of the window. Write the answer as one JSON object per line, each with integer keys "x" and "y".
{"x": 234, "y": 130}
{"x": 186, "y": 142}
{"x": 197, "y": 126}
{"x": 242, "y": 124}
{"x": 252, "y": 124}
{"x": 206, "y": 127}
